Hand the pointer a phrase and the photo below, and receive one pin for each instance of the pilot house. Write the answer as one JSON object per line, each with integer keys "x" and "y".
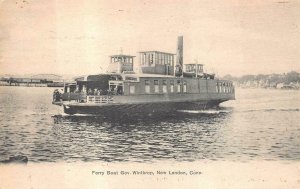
{"x": 156, "y": 62}
{"x": 120, "y": 63}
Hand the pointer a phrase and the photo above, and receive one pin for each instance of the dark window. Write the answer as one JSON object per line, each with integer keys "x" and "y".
{"x": 151, "y": 59}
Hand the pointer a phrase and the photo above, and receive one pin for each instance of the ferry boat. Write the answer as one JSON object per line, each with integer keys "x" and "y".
{"x": 158, "y": 85}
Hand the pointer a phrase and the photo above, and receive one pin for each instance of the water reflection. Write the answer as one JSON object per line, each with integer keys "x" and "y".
{"x": 182, "y": 136}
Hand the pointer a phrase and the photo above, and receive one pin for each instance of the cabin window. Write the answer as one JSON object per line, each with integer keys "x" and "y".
{"x": 171, "y": 86}
{"x": 156, "y": 87}
{"x": 143, "y": 58}
{"x": 131, "y": 89}
{"x": 226, "y": 88}
{"x": 184, "y": 87}
{"x": 151, "y": 58}
{"x": 159, "y": 58}
{"x": 217, "y": 88}
{"x": 178, "y": 86}
{"x": 147, "y": 86}
{"x": 164, "y": 86}
{"x": 147, "y": 59}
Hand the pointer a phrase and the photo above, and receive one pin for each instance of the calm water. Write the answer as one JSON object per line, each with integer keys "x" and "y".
{"x": 260, "y": 124}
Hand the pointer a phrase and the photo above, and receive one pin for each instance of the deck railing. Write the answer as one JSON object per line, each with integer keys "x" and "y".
{"x": 99, "y": 99}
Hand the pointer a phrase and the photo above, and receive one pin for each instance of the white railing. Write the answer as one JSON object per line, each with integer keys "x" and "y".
{"x": 99, "y": 99}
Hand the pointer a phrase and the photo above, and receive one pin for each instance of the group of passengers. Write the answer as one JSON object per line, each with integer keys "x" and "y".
{"x": 95, "y": 92}
{"x": 111, "y": 91}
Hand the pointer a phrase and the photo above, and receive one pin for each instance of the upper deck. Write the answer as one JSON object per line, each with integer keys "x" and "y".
{"x": 157, "y": 62}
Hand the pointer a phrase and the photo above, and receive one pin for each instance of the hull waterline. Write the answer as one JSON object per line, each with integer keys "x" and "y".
{"x": 116, "y": 109}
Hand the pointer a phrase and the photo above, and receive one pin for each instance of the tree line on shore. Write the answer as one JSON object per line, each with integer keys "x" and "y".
{"x": 290, "y": 80}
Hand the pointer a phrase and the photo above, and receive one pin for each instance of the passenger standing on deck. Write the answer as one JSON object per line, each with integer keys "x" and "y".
{"x": 115, "y": 91}
{"x": 90, "y": 92}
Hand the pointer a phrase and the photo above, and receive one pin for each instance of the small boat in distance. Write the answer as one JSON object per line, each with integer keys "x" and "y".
{"x": 160, "y": 85}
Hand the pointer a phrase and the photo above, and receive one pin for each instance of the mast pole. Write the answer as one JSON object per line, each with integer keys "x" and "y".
{"x": 179, "y": 57}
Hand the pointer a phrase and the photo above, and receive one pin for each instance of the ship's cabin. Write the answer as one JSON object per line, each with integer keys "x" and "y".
{"x": 156, "y": 62}
{"x": 120, "y": 63}
{"x": 194, "y": 68}
{"x": 104, "y": 84}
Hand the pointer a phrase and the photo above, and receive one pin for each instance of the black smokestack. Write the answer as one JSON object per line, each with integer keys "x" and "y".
{"x": 179, "y": 60}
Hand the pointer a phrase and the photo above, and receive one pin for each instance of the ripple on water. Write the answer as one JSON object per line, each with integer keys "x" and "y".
{"x": 253, "y": 127}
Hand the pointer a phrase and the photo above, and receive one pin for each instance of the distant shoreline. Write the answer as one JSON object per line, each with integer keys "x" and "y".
{"x": 267, "y": 88}
{"x": 31, "y": 85}
{"x": 290, "y": 80}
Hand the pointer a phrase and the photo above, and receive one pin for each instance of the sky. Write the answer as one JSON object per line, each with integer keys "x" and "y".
{"x": 78, "y": 36}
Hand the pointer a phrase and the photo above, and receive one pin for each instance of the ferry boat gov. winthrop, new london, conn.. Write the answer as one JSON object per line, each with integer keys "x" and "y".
{"x": 158, "y": 86}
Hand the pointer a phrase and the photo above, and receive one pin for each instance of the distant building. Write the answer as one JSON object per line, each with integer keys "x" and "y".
{"x": 48, "y": 77}
{"x": 50, "y": 80}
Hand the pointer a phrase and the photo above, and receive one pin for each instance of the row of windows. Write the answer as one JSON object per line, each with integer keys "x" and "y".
{"x": 164, "y": 82}
{"x": 224, "y": 89}
{"x": 164, "y": 86}
{"x": 157, "y": 58}
{"x": 224, "y": 84}
{"x": 192, "y": 68}
{"x": 181, "y": 86}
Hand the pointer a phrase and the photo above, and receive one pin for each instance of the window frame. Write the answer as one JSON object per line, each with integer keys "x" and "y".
{"x": 156, "y": 86}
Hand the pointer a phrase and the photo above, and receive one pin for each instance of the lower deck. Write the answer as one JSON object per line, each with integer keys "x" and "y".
{"x": 105, "y": 100}
{"x": 129, "y": 109}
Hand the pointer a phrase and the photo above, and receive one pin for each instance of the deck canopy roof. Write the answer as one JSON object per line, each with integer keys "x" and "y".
{"x": 98, "y": 77}
{"x": 190, "y": 64}
{"x": 121, "y": 56}
{"x": 157, "y": 52}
